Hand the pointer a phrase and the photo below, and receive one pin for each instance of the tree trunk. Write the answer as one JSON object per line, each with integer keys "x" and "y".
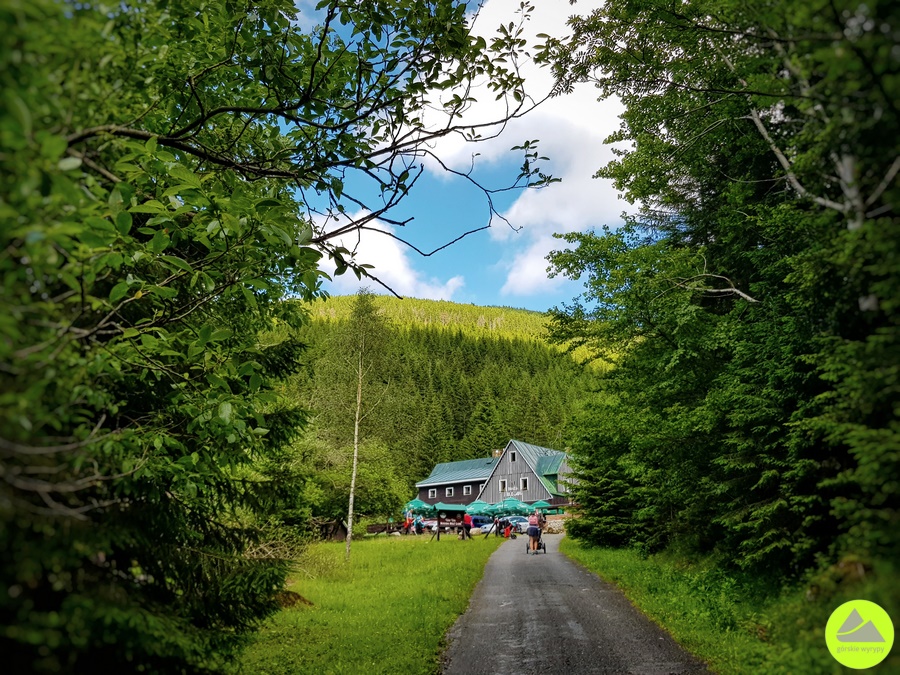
{"x": 359, "y": 379}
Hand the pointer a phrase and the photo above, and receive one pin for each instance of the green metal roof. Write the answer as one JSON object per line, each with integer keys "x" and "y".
{"x": 548, "y": 465}
{"x": 460, "y": 472}
{"x": 544, "y": 461}
{"x": 550, "y": 485}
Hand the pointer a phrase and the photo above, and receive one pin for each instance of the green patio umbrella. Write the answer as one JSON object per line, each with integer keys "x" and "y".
{"x": 418, "y": 506}
{"x": 450, "y": 508}
{"x": 512, "y": 506}
{"x": 477, "y": 508}
{"x": 542, "y": 505}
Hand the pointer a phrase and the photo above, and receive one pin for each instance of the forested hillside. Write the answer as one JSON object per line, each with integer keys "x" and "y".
{"x": 450, "y": 382}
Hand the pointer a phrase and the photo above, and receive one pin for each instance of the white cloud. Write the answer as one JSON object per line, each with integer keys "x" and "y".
{"x": 571, "y": 130}
{"x": 577, "y": 203}
{"x": 393, "y": 266}
{"x": 576, "y": 150}
{"x": 308, "y": 17}
{"x": 548, "y": 16}
{"x": 527, "y": 271}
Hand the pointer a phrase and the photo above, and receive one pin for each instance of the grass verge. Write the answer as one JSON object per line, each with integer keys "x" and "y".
{"x": 739, "y": 624}
{"x": 386, "y": 611}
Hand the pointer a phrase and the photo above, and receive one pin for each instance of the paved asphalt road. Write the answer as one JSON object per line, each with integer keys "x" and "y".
{"x": 545, "y": 614}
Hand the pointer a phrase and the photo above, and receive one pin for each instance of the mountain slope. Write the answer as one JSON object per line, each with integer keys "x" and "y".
{"x": 453, "y": 382}
{"x": 472, "y": 320}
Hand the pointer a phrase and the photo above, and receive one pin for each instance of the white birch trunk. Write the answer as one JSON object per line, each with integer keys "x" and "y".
{"x": 359, "y": 378}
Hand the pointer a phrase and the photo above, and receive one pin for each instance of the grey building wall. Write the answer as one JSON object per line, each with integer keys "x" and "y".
{"x": 458, "y": 492}
{"x": 564, "y": 477}
{"x": 513, "y": 471}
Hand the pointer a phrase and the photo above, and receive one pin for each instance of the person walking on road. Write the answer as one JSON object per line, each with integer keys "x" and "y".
{"x": 534, "y": 530}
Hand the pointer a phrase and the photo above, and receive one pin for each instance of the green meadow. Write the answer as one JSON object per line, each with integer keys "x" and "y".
{"x": 386, "y": 611}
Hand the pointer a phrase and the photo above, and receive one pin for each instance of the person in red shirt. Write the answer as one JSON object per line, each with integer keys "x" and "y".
{"x": 408, "y": 523}
{"x": 467, "y": 526}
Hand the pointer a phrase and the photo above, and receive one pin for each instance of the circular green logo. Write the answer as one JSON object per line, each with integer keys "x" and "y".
{"x": 859, "y": 634}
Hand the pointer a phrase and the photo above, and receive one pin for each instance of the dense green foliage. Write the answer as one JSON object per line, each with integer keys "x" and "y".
{"x": 754, "y": 298}
{"x": 443, "y": 390}
{"x": 161, "y": 165}
{"x": 387, "y": 613}
{"x": 737, "y": 622}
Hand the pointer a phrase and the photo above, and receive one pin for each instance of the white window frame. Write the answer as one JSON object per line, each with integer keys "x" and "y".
{"x": 502, "y": 485}
{"x": 523, "y": 483}
{"x": 448, "y": 492}
{"x": 481, "y": 487}
{"x": 467, "y": 490}
{"x": 432, "y": 493}
{"x": 512, "y": 455}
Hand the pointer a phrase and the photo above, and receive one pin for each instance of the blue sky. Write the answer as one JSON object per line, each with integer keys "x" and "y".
{"x": 502, "y": 266}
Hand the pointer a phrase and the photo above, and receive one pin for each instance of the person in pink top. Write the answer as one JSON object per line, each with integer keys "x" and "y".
{"x": 534, "y": 530}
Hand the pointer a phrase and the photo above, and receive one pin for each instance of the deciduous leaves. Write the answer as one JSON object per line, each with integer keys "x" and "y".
{"x": 742, "y": 297}
{"x": 161, "y": 171}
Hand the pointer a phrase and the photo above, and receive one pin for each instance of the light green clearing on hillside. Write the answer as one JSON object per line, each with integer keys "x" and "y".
{"x": 471, "y": 319}
{"x": 496, "y": 322}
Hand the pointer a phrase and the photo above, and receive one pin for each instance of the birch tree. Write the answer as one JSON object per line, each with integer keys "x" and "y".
{"x": 352, "y": 380}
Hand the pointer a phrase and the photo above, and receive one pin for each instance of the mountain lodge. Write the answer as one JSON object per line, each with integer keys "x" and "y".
{"x": 521, "y": 470}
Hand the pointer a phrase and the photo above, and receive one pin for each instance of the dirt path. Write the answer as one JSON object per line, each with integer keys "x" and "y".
{"x": 545, "y": 614}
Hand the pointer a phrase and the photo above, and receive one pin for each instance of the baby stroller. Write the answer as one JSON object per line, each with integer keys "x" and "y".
{"x": 541, "y": 546}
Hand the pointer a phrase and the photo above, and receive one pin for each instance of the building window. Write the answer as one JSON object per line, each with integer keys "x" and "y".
{"x": 523, "y": 483}
{"x": 502, "y": 485}
{"x": 467, "y": 490}
{"x": 448, "y": 492}
{"x": 481, "y": 487}
{"x": 432, "y": 493}
{"x": 512, "y": 456}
